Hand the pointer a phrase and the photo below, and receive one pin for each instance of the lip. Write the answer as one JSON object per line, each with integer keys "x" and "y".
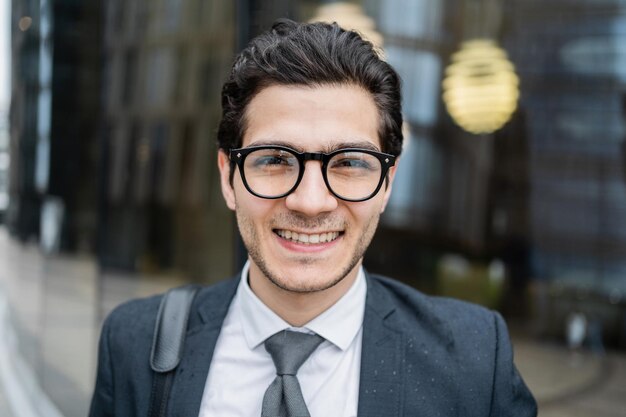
{"x": 306, "y": 247}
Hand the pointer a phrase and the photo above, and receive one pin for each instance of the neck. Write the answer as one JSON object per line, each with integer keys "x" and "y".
{"x": 298, "y": 308}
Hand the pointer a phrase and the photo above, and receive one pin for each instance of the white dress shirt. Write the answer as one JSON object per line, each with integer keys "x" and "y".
{"x": 241, "y": 369}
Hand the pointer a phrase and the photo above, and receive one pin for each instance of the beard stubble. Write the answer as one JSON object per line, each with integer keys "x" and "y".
{"x": 253, "y": 244}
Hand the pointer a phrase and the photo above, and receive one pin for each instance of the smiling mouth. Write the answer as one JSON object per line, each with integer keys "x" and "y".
{"x": 307, "y": 239}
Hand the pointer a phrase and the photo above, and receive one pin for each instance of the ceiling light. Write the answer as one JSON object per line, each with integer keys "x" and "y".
{"x": 480, "y": 87}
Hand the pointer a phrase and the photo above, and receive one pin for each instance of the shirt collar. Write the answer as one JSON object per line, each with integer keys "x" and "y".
{"x": 339, "y": 324}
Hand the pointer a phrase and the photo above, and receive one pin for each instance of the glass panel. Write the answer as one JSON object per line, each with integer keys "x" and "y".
{"x": 117, "y": 103}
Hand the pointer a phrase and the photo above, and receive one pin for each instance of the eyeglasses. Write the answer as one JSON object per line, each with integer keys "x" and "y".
{"x": 350, "y": 174}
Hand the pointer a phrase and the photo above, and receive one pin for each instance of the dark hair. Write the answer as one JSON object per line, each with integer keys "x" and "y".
{"x": 311, "y": 54}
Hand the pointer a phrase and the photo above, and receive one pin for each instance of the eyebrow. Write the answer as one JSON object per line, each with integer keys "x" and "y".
{"x": 356, "y": 144}
{"x": 361, "y": 144}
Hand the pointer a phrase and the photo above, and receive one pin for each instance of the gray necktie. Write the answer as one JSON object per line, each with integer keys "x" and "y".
{"x": 289, "y": 350}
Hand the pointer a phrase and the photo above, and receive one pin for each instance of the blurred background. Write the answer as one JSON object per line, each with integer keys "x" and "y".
{"x": 511, "y": 190}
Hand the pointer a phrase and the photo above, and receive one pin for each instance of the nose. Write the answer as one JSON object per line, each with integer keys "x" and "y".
{"x": 312, "y": 197}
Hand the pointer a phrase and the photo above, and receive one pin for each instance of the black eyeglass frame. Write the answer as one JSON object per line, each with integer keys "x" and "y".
{"x": 238, "y": 156}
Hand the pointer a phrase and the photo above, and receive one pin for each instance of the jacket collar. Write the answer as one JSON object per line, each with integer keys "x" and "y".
{"x": 382, "y": 372}
{"x": 382, "y": 356}
{"x": 204, "y": 328}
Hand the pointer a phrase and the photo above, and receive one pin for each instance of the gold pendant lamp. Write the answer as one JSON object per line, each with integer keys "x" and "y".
{"x": 350, "y": 16}
{"x": 480, "y": 86}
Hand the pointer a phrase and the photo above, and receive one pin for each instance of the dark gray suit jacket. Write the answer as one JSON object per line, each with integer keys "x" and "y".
{"x": 421, "y": 356}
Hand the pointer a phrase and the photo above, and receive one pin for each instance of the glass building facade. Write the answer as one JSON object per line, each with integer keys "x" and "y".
{"x": 113, "y": 188}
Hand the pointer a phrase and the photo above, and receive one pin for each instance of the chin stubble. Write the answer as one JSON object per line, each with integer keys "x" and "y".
{"x": 251, "y": 241}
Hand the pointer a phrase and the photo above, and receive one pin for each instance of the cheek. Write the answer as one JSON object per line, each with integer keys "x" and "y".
{"x": 255, "y": 210}
{"x": 367, "y": 211}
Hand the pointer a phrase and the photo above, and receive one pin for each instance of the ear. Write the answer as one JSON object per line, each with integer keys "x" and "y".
{"x": 228, "y": 192}
{"x": 391, "y": 175}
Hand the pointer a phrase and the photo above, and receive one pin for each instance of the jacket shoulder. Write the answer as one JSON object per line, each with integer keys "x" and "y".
{"x": 139, "y": 314}
{"x": 413, "y": 304}
{"x": 463, "y": 348}
{"x": 124, "y": 375}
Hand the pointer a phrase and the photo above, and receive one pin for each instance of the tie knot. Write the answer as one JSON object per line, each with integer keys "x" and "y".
{"x": 290, "y": 349}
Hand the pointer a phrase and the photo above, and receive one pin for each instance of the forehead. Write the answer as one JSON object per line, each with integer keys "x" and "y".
{"x": 320, "y": 118}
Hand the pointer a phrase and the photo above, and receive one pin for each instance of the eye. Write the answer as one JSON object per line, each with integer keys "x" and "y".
{"x": 353, "y": 161}
{"x": 270, "y": 159}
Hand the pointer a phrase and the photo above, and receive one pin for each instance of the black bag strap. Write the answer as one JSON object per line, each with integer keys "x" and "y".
{"x": 167, "y": 344}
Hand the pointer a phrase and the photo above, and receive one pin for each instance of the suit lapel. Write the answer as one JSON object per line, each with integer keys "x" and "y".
{"x": 382, "y": 355}
{"x": 204, "y": 328}
{"x": 382, "y": 373}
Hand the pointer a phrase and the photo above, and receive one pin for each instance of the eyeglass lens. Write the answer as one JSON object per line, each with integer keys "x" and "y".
{"x": 274, "y": 172}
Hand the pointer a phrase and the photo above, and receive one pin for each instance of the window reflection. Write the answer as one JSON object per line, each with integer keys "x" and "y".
{"x": 112, "y": 158}
{"x": 159, "y": 77}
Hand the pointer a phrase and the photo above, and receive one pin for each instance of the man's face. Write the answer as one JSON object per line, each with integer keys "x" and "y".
{"x": 307, "y": 119}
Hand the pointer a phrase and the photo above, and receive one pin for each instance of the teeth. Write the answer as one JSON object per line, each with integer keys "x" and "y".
{"x": 308, "y": 239}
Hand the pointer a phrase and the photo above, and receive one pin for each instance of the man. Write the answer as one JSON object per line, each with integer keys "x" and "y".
{"x": 309, "y": 140}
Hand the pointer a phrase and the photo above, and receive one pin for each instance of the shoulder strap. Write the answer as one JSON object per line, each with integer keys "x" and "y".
{"x": 167, "y": 344}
